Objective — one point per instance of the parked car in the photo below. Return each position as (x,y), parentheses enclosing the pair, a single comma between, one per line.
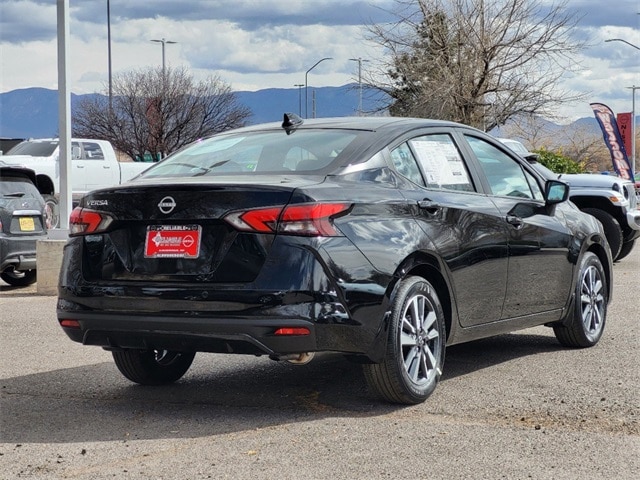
(94,164)
(384,239)
(609,198)
(22,223)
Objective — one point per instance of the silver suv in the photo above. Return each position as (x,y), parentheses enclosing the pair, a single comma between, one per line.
(22,223)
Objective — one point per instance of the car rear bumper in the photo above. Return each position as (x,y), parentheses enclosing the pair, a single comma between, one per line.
(145,332)
(18,253)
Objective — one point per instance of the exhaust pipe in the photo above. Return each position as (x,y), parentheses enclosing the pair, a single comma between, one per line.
(295,358)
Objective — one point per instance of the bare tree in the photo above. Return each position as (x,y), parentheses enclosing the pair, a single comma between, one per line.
(474,61)
(157,113)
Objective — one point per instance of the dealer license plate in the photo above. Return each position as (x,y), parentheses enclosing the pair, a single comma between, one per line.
(27,224)
(172,241)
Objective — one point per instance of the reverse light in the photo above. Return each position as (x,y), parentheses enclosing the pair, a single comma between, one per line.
(288,331)
(306,219)
(83,221)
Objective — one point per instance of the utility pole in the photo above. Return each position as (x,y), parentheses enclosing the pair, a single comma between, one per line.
(359,60)
(299,85)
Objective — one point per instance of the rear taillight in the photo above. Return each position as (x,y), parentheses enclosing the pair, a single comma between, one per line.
(84,221)
(307,219)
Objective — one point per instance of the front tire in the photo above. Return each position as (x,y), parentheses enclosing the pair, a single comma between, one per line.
(415,348)
(19,278)
(590,306)
(626,249)
(612,230)
(153,367)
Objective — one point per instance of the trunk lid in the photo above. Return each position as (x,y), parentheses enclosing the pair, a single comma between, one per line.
(175,233)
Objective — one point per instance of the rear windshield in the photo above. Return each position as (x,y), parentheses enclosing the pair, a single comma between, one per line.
(304,151)
(16,186)
(35,149)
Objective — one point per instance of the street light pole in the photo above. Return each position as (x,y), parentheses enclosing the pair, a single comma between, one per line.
(163,42)
(299,85)
(623,41)
(633,128)
(306,86)
(359,60)
(633,109)
(109,54)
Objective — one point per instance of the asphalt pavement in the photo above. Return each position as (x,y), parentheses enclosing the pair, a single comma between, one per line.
(516,406)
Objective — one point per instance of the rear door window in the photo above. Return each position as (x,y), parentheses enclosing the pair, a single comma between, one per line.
(441,162)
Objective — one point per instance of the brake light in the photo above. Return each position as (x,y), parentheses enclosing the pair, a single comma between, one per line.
(70,323)
(307,219)
(287,331)
(83,221)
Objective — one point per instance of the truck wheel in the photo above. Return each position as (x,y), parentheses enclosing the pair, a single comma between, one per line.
(51,211)
(415,347)
(19,279)
(612,229)
(153,367)
(590,306)
(626,249)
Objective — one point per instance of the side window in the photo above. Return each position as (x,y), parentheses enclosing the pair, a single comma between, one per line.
(405,163)
(535,186)
(92,151)
(442,163)
(506,177)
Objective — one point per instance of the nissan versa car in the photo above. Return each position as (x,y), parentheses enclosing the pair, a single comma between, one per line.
(384,239)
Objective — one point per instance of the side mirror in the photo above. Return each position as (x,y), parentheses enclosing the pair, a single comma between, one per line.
(556,192)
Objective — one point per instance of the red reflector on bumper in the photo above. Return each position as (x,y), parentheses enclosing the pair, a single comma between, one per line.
(70,323)
(292,331)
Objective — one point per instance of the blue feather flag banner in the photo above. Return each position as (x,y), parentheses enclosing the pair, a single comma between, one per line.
(613,139)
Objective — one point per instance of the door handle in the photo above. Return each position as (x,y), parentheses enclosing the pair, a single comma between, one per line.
(515,221)
(429,205)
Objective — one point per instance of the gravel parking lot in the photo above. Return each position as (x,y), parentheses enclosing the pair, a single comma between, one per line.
(516,406)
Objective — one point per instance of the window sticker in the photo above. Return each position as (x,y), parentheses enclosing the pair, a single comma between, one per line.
(441,161)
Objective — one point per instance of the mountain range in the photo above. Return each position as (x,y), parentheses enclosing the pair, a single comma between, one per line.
(33,112)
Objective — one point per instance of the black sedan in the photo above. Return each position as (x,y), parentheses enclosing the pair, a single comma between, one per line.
(384,239)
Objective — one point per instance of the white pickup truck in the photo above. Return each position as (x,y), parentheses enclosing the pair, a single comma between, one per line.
(93,165)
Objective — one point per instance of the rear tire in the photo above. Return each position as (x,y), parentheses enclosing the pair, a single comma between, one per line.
(153,367)
(590,306)
(612,230)
(19,278)
(51,211)
(415,347)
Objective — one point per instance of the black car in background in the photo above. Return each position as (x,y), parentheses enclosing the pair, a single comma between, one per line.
(22,223)
(384,239)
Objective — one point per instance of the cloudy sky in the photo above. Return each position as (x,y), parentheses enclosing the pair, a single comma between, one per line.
(257,44)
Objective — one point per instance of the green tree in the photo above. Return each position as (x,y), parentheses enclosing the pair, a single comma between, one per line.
(557,162)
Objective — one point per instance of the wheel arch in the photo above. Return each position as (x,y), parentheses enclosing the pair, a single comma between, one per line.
(606,261)
(431,268)
(600,203)
(45,185)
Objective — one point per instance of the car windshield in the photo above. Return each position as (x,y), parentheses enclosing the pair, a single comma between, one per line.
(35,149)
(548,174)
(306,151)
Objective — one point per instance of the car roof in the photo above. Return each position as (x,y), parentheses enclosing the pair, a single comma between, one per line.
(14,171)
(357,123)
